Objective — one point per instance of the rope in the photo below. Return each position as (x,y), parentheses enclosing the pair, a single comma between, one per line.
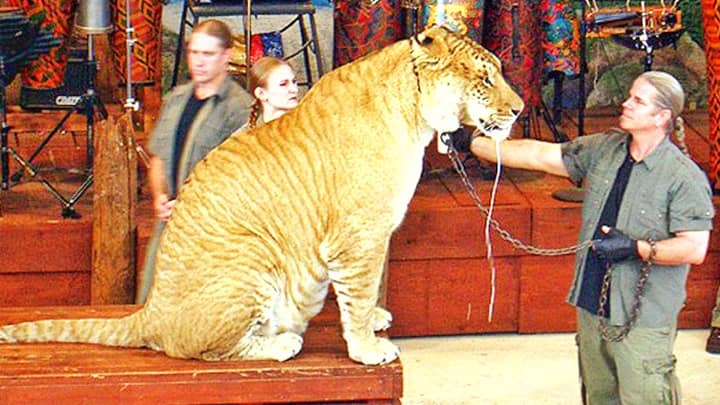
(488,242)
(492,223)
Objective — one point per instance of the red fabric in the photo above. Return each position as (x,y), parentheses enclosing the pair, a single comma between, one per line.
(256,48)
(48,70)
(364,26)
(711,24)
(146,22)
(510,23)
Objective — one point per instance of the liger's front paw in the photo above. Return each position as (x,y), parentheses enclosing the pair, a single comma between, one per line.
(373,351)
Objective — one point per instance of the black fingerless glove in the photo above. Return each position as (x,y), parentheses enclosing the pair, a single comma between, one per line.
(615,246)
(458,140)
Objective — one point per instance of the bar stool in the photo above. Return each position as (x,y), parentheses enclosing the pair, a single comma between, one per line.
(193,10)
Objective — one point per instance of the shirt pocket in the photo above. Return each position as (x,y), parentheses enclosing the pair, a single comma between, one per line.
(650,218)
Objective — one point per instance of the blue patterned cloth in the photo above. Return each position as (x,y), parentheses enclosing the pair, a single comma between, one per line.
(272,44)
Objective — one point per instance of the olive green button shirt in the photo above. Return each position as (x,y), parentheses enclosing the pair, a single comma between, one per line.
(666,193)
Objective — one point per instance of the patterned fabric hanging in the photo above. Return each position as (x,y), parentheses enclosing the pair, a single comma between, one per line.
(512,32)
(711,24)
(265,44)
(362,26)
(256,48)
(48,71)
(146,21)
(561,37)
(272,44)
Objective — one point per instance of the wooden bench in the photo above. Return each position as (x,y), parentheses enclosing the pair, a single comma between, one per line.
(66,373)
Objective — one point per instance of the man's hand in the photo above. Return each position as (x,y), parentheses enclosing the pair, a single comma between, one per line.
(615,246)
(162,206)
(458,140)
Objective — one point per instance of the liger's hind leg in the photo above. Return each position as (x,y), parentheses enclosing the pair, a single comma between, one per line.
(279,347)
(259,337)
(240,323)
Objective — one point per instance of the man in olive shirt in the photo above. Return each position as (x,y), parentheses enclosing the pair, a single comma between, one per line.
(195,118)
(647,207)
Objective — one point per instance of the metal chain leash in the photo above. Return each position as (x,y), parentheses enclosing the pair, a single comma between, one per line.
(507,236)
(605,331)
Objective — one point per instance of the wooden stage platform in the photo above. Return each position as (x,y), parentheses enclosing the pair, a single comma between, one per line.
(439,279)
(64,373)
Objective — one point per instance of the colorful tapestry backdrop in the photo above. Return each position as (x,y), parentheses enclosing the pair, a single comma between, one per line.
(362,26)
(523,34)
(56,16)
(561,37)
(146,21)
(711,23)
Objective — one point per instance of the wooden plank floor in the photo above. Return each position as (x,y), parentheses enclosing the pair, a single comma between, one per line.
(65,373)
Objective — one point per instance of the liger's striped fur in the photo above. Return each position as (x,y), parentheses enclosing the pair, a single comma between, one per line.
(276,214)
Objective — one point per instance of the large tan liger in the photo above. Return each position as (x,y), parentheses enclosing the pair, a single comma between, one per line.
(275,215)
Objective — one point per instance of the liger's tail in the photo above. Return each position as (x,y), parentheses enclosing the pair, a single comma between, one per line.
(125,332)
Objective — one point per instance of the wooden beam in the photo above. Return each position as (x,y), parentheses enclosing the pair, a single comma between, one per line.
(114,223)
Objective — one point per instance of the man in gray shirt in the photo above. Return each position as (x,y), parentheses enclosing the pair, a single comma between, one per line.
(194,119)
(648,210)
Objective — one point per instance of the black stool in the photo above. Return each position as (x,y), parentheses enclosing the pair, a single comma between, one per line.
(193,10)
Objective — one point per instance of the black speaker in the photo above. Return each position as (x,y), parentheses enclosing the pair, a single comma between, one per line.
(75,83)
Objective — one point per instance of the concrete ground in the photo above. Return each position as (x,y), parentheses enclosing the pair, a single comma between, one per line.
(537,369)
(502,369)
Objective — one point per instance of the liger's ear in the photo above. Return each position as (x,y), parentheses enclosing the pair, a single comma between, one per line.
(423,39)
(431,41)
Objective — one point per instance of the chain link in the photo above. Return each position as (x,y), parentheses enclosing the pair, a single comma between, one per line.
(505,235)
(618,335)
(608,333)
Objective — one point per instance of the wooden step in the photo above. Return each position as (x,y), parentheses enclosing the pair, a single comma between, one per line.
(452,296)
(44,258)
(65,373)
